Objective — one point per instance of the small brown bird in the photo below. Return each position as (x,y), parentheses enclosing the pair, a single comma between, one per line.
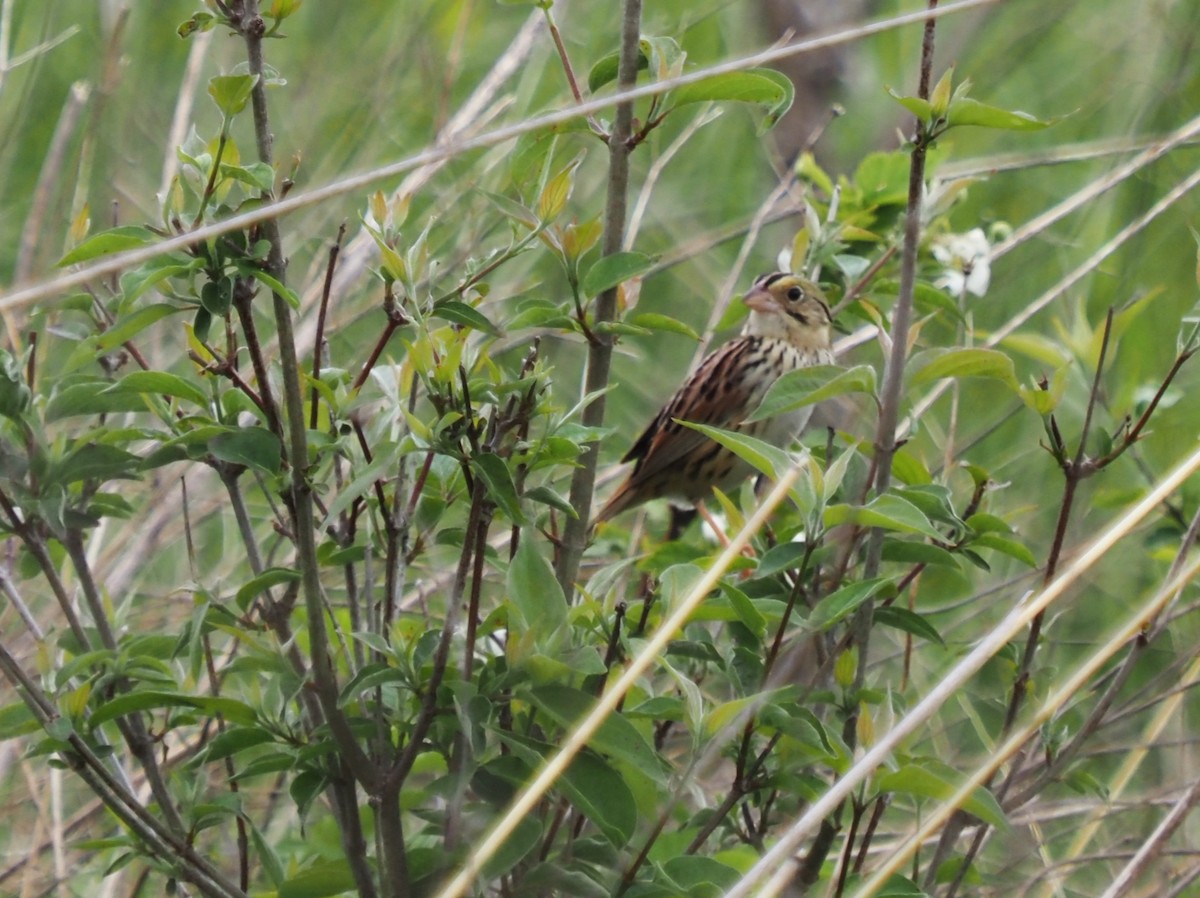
(788,328)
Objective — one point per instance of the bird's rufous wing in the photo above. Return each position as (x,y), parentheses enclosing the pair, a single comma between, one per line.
(714,394)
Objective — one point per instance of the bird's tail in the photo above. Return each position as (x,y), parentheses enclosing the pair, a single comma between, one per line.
(617,503)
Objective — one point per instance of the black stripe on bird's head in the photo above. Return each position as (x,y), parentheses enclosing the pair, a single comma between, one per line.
(798,298)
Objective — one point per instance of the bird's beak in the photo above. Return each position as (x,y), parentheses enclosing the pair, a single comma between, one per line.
(760,300)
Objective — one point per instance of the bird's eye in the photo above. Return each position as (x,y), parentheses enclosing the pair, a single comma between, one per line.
(795,293)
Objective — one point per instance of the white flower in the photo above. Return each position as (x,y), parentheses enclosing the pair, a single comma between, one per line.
(965,262)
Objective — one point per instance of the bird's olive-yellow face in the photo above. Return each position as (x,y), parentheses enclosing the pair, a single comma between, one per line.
(787,294)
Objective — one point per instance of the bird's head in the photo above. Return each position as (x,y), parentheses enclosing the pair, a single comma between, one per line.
(789,307)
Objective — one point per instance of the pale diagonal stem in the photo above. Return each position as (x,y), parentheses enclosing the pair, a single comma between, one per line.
(353,183)
(577,740)
(1070,689)
(774,867)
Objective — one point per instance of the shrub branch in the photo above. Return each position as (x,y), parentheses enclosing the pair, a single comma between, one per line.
(600,346)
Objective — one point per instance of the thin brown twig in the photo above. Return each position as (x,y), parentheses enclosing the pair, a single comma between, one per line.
(322,311)
(569,70)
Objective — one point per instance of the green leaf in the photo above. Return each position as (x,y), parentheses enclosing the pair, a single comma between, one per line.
(907,467)
(982,522)
(801,724)
(661,707)
(231,92)
(266,580)
(939,97)
(908,621)
(926,297)
(500,486)
(888,511)
(1047,351)
(17,720)
(851,266)
(303,790)
(744,608)
(579,237)
(134,702)
(524,838)
(620,327)
(965,111)
(958,363)
(605,69)
(254,447)
(135,283)
(1086,783)
(602,794)
(760,455)
(883,179)
(540,313)
(784,557)
(547,496)
(934,500)
(281,9)
(192,445)
(15,395)
(839,605)
(929,298)
(1044,401)
(807,386)
(160,383)
(266,855)
(216,297)
(95,461)
(369,677)
(807,169)
(700,875)
(590,783)
(381,466)
(763,87)
(554,196)
(655,322)
(898,886)
(258,175)
(616,737)
(90,397)
(105,243)
(908,552)
(394,267)
(918,107)
(614,269)
(535,591)
(737,710)
(322,880)
(1006,546)
(510,208)
(273,284)
(133,324)
(926,780)
(666,56)
(462,314)
(234,740)
(199,22)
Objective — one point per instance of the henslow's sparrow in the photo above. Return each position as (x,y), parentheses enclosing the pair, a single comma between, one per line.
(788,328)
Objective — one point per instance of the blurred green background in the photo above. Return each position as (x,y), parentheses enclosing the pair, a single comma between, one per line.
(91,90)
